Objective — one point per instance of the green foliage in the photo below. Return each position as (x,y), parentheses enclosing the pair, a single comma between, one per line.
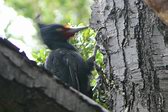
(40,55)
(84,41)
(59,11)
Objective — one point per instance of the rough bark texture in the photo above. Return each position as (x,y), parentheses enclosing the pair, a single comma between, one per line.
(25,87)
(134,45)
(15,97)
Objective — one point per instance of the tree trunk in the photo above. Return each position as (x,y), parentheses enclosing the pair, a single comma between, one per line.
(134,46)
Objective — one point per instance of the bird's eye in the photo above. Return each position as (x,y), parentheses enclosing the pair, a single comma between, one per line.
(59,29)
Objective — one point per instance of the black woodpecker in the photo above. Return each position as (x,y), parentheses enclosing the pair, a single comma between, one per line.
(64,61)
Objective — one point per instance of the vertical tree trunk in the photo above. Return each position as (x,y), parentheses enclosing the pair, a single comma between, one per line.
(134,45)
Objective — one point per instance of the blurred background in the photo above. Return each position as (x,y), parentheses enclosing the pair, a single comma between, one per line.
(17,22)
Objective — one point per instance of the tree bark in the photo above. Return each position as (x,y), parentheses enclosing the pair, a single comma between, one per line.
(134,46)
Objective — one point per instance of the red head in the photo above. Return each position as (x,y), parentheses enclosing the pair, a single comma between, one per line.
(56,35)
(70,32)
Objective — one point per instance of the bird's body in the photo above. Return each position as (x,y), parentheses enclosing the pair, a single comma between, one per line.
(69,66)
(64,61)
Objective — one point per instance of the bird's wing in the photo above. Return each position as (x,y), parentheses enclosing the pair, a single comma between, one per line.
(64,64)
(71,62)
(78,71)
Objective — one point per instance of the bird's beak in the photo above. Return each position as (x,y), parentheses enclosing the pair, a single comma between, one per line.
(70,32)
(75,30)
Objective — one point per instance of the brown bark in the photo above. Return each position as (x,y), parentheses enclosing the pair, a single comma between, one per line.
(160,7)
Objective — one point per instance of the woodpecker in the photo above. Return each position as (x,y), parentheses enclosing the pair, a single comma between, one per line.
(64,61)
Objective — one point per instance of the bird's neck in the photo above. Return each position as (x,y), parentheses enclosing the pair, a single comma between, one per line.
(65,45)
